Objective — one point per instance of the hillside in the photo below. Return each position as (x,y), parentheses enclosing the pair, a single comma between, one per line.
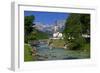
(40,35)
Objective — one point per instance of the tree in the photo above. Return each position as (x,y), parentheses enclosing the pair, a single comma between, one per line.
(31,33)
(73,31)
(85,21)
(28,23)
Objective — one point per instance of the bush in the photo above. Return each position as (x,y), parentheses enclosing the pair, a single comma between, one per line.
(86,47)
(76,44)
(30,38)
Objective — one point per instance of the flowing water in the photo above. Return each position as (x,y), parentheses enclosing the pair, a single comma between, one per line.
(45,53)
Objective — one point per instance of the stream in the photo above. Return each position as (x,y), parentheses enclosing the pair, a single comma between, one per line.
(45,53)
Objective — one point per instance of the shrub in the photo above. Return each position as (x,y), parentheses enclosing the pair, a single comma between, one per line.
(76,44)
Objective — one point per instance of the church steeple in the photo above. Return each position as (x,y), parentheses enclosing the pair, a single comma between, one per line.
(55,27)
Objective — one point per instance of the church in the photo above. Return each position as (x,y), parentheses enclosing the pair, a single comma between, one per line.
(56,34)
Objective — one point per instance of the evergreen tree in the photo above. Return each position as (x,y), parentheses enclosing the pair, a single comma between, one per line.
(74,27)
(28,23)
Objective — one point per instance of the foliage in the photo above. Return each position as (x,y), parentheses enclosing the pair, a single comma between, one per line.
(41,35)
(27,53)
(75,26)
(31,33)
(77,43)
(85,21)
(28,20)
(30,37)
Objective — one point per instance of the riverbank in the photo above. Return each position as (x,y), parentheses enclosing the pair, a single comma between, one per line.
(43,52)
(29,53)
(57,43)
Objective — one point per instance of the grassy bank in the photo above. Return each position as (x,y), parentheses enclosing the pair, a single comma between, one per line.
(86,49)
(27,53)
(58,43)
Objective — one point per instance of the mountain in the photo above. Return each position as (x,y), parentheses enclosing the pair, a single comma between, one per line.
(49,28)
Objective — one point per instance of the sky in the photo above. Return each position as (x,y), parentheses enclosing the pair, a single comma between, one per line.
(47,17)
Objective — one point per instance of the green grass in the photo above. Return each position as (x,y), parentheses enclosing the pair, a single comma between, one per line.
(58,43)
(27,53)
(86,49)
